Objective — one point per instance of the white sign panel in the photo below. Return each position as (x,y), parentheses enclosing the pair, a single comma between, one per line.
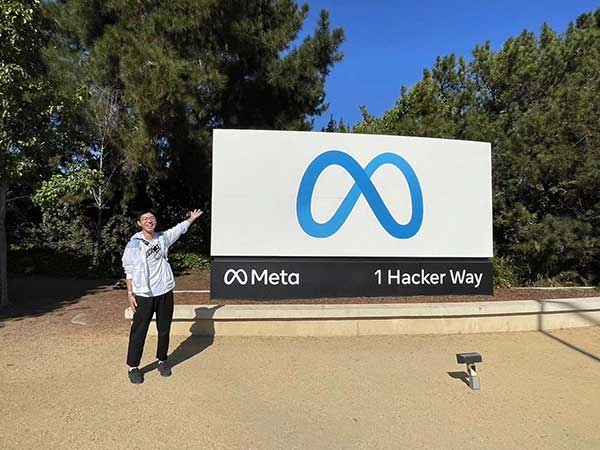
(287,193)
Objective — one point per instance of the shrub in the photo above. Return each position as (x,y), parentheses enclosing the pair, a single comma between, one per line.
(505,274)
(182,262)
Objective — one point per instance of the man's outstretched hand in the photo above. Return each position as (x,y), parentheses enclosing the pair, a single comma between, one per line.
(194,215)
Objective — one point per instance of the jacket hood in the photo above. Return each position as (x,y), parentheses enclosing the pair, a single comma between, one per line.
(138,235)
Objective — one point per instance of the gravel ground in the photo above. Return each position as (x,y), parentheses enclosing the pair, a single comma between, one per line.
(69,390)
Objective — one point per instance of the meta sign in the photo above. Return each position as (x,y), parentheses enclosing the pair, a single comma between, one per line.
(311,215)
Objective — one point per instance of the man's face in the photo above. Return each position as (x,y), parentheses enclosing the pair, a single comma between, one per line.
(147,222)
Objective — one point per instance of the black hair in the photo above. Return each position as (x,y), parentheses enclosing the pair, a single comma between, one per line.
(140,212)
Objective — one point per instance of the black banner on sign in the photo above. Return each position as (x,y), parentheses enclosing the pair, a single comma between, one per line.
(286,278)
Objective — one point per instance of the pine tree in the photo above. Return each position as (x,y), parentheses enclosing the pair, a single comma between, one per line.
(185,67)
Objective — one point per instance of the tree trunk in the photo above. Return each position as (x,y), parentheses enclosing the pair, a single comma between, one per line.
(3,247)
(98,239)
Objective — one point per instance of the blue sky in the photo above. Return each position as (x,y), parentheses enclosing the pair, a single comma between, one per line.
(389,43)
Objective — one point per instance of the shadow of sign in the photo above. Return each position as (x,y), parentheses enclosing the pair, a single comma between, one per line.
(585,314)
(461,375)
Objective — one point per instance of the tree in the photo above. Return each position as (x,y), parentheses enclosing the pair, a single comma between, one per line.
(183,68)
(103,112)
(26,109)
(333,126)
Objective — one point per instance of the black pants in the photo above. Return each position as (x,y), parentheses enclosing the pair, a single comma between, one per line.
(162,305)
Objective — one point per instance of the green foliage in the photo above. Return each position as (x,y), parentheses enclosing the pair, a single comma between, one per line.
(65,227)
(504,273)
(184,262)
(563,279)
(25,105)
(63,245)
(115,234)
(70,188)
(65,230)
(183,68)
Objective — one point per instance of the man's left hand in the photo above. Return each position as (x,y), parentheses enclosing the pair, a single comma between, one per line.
(194,215)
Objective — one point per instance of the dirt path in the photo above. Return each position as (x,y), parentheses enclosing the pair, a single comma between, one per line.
(68,390)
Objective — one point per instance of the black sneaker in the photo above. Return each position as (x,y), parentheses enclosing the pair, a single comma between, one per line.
(164,368)
(136,376)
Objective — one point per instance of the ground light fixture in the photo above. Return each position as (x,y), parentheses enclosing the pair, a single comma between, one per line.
(470,359)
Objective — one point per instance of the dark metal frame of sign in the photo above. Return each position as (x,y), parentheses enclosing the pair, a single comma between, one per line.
(279,278)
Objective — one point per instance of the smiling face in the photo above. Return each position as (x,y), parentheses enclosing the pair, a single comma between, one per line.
(147,222)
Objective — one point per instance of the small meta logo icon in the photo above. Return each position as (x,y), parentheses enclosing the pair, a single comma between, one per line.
(362,185)
(264,276)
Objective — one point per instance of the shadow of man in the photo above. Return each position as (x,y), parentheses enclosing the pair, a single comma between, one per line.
(202,334)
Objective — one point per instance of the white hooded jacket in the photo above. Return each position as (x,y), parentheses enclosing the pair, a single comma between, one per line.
(136,265)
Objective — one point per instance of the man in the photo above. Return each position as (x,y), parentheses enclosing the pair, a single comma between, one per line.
(150,284)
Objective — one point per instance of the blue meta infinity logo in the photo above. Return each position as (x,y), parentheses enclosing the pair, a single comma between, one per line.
(362,185)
